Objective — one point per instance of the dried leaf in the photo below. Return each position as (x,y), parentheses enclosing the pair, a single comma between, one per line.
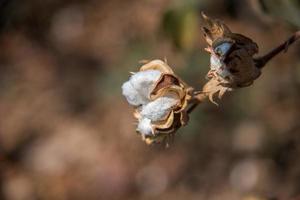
(166,123)
(157,65)
(213,87)
(215,29)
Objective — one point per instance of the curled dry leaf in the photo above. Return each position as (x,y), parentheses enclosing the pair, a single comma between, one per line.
(231,63)
(212,87)
(167,102)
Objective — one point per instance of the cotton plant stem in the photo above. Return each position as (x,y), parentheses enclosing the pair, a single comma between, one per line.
(260,62)
(198,98)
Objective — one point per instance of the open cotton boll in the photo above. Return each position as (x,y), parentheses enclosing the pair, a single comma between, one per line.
(137,89)
(145,127)
(159,108)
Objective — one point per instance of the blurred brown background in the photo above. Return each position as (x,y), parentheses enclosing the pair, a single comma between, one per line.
(66,132)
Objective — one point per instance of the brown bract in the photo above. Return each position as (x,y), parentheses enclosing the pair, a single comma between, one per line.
(236,62)
(167,84)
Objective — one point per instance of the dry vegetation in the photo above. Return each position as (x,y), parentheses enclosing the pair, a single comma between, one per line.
(67,133)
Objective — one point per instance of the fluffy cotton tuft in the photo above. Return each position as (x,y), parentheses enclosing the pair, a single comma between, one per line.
(159,108)
(132,96)
(137,89)
(145,127)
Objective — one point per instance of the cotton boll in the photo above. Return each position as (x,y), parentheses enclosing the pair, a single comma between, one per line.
(159,108)
(145,127)
(138,88)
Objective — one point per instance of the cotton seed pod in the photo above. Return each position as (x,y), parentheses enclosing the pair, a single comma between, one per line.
(231,63)
(160,99)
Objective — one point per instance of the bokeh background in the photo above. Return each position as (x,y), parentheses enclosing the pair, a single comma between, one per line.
(66,132)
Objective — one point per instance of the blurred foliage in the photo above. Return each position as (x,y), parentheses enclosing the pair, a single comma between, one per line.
(180,24)
(286,10)
(66,132)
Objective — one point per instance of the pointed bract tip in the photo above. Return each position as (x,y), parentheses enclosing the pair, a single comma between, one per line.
(211,98)
(144,61)
(166,60)
(204,16)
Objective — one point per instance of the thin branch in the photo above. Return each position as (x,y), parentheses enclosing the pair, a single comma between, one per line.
(193,106)
(198,98)
(260,62)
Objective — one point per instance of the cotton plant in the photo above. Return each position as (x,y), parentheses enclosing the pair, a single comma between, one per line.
(162,101)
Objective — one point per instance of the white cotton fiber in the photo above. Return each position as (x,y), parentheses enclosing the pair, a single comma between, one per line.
(159,108)
(144,81)
(215,62)
(220,67)
(145,127)
(137,89)
(132,96)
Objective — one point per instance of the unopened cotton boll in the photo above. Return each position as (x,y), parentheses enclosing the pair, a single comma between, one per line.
(137,89)
(159,108)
